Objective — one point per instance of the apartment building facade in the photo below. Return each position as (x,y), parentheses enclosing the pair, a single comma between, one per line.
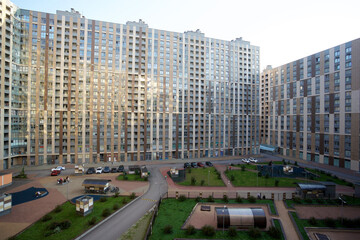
(310,108)
(76,90)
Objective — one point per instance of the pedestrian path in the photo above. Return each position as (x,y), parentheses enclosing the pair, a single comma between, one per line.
(288,226)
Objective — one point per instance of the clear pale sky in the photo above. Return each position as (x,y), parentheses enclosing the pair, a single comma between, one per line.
(285,30)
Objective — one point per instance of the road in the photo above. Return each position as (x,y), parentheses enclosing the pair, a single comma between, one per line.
(123,220)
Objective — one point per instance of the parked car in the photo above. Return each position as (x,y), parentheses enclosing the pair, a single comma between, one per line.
(253,160)
(209,164)
(193,164)
(91,170)
(55,172)
(200,164)
(60,168)
(187,165)
(99,170)
(113,170)
(106,169)
(245,160)
(120,168)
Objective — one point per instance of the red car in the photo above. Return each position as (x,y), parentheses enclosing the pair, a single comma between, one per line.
(55,172)
(200,164)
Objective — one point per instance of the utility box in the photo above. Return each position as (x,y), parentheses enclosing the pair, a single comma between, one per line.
(5,204)
(84,205)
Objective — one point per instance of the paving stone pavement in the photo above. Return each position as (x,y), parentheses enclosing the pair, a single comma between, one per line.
(284,217)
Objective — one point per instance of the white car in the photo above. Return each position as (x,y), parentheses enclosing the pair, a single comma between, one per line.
(58,168)
(245,160)
(253,160)
(99,170)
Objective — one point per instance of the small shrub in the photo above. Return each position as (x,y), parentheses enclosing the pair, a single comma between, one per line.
(296,163)
(189,170)
(312,221)
(210,198)
(92,221)
(320,201)
(132,196)
(58,209)
(238,199)
(276,182)
(106,212)
(125,177)
(198,199)
(243,168)
(46,218)
(311,177)
(274,232)
(190,230)
(182,198)
(65,224)
(168,229)
(225,198)
(232,178)
(202,182)
(251,199)
(125,201)
(297,200)
(208,230)
(232,232)
(254,232)
(116,195)
(52,226)
(103,199)
(267,176)
(137,172)
(146,179)
(329,222)
(116,206)
(308,200)
(259,174)
(193,181)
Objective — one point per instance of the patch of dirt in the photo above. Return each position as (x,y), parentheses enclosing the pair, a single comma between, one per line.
(319,212)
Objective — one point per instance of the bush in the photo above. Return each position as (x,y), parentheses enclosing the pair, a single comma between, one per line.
(274,232)
(190,230)
(312,221)
(308,200)
(225,198)
(329,222)
(168,229)
(254,232)
(202,182)
(259,174)
(276,182)
(106,212)
(116,195)
(189,170)
(125,201)
(210,198)
(232,232)
(208,230)
(193,181)
(320,201)
(146,179)
(52,226)
(242,167)
(58,225)
(267,176)
(297,200)
(65,224)
(238,199)
(58,209)
(116,206)
(46,218)
(232,178)
(132,196)
(252,199)
(296,163)
(125,177)
(198,199)
(182,198)
(92,221)
(103,199)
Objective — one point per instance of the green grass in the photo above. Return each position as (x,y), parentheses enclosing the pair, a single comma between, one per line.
(247,166)
(202,174)
(130,177)
(174,212)
(274,162)
(79,224)
(277,225)
(250,179)
(138,231)
(326,177)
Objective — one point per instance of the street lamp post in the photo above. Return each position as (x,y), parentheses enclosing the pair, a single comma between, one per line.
(342,208)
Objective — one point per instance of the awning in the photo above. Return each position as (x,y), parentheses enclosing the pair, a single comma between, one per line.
(268,148)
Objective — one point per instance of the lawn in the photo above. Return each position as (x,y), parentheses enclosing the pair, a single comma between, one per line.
(250,179)
(130,177)
(79,224)
(208,176)
(277,225)
(175,213)
(327,177)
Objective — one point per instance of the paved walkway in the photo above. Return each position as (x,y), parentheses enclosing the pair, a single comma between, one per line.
(287,224)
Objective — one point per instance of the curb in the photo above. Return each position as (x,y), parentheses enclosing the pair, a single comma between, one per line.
(106,219)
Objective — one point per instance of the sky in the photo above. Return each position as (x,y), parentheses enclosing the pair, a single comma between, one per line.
(285,30)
